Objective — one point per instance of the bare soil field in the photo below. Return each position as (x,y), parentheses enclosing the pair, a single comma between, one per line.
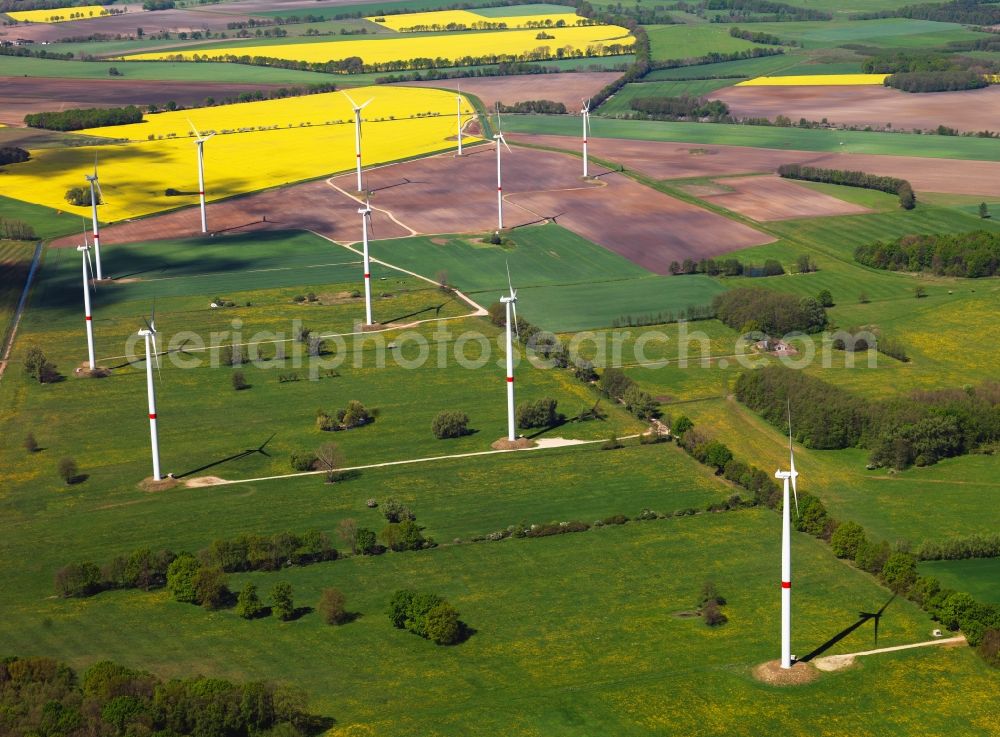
(687,160)
(569,88)
(968,110)
(312,206)
(765,198)
(23,95)
(446,194)
(152,22)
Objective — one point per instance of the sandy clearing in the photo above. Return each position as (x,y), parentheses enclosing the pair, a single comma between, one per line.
(766,198)
(968,110)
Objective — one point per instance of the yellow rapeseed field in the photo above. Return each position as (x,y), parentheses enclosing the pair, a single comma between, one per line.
(577,40)
(814,79)
(441,19)
(303,138)
(58,15)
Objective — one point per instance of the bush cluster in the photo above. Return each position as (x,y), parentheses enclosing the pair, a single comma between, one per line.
(545,107)
(616,384)
(729,267)
(749,309)
(355,414)
(427,615)
(936,81)
(685,107)
(41,696)
(13,155)
(917,430)
(971,255)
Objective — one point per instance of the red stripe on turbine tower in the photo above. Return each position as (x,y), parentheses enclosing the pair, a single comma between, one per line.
(152,416)
(510,379)
(368,276)
(86,317)
(786,584)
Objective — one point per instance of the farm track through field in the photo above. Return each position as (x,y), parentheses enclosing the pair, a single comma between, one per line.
(19,311)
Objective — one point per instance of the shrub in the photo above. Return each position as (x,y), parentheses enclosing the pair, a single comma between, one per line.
(281,601)
(900,572)
(333,606)
(871,556)
(984,211)
(427,615)
(30,444)
(210,587)
(441,624)
(989,647)
(78,579)
(919,292)
(845,540)
(713,615)
(303,461)
(710,595)
(450,424)
(395,511)
(68,470)
(248,603)
(681,425)
(584,371)
(367,543)
(13,155)
(239,381)
(825,298)
(402,536)
(180,578)
(356,414)
(612,443)
(539,413)
(38,367)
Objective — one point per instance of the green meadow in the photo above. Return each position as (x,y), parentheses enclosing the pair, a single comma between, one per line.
(686,41)
(857,142)
(979,576)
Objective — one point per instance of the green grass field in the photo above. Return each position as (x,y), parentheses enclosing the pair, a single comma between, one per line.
(859,142)
(566,283)
(48,223)
(759,67)
(979,577)
(620,103)
(884,33)
(15,261)
(686,41)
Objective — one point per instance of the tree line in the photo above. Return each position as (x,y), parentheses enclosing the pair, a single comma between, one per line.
(920,429)
(905,60)
(44,697)
(9,5)
(685,107)
(949,81)
(749,309)
(16,230)
(892,185)
(753,11)
(731,266)
(80,118)
(546,107)
(760,37)
(356,65)
(959,11)
(971,255)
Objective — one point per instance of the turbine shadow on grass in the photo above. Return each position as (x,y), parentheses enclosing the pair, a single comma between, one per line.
(862,618)
(435,308)
(235,457)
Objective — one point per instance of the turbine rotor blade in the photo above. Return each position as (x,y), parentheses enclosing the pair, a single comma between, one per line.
(517,330)
(353,103)
(363,105)
(100,193)
(504,141)
(196,133)
(90,271)
(791,458)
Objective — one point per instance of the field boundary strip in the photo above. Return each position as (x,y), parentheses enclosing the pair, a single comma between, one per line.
(19,311)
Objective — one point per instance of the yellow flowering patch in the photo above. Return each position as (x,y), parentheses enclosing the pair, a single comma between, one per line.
(257,145)
(59,15)
(814,79)
(446,20)
(575,41)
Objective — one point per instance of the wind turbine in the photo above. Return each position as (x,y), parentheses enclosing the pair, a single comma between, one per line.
(786,550)
(95,195)
(149,333)
(585,113)
(498,137)
(510,304)
(366,224)
(357,131)
(85,258)
(458,101)
(200,143)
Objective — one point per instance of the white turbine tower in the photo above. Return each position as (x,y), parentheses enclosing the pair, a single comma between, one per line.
(510,304)
(357,132)
(786,550)
(200,143)
(458,101)
(366,224)
(498,137)
(85,258)
(585,114)
(96,197)
(149,333)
